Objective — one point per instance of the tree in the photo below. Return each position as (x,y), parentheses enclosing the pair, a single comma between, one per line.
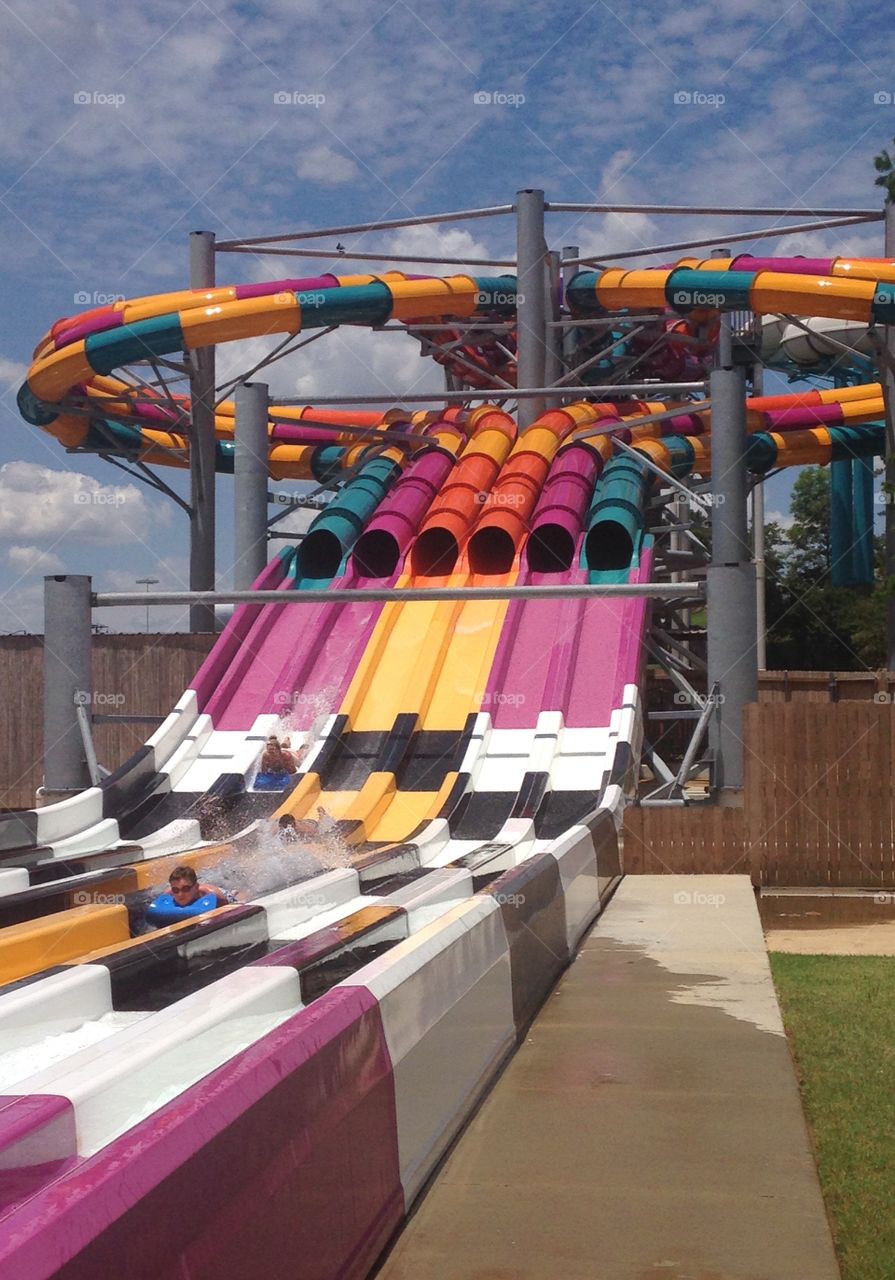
(809,535)
(885,168)
(811,624)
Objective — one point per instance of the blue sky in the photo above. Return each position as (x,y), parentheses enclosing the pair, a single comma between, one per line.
(125,127)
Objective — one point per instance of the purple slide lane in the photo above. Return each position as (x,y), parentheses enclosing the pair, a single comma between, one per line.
(307,661)
(538,663)
(614,630)
(304,660)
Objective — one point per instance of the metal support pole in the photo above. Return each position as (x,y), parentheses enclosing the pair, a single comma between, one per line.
(731,575)
(250,469)
(94,768)
(758,555)
(569,337)
(887,377)
(202,445)
(553,367)
(68,682)
(678,542)
(758,549)
(531,318)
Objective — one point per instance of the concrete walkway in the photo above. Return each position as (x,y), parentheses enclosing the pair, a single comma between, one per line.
(649,1128)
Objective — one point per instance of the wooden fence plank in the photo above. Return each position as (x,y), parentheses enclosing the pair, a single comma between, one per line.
(818,802)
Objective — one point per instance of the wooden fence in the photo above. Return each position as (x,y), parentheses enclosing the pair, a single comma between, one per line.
(825,686)
(818,803)
(136,674)
(698,839)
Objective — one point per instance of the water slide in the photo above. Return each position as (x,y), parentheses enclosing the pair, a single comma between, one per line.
(465,771)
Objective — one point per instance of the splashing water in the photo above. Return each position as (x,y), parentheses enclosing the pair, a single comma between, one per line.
(263,861)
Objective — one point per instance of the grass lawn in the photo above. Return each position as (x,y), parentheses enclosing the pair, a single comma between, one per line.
(840,1014)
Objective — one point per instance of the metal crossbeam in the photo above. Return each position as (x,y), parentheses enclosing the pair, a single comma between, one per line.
(655,590)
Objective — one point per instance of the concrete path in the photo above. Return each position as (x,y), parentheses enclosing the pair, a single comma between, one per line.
(649,1128)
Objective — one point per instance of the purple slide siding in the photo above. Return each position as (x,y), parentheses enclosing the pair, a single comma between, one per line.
(282,1163)
(243,618)
(38,1142)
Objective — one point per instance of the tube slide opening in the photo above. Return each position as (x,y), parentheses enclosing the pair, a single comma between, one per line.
(320,555)
(376,554)
(551,549)
(608,546)
(435,553)
(491,551)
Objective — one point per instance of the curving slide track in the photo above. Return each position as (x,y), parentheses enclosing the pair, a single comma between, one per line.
(296,1065)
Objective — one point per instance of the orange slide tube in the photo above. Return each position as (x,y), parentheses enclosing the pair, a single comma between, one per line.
(457,507)
(506,513)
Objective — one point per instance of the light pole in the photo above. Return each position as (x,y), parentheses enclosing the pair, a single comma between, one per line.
(147,582)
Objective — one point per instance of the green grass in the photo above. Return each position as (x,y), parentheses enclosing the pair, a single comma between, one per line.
(840,1014)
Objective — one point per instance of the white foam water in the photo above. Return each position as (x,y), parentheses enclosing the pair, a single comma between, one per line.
(28,1059)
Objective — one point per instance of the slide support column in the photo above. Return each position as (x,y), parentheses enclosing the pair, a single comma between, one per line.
(553,366)
(202,445)
(732,656)
(531,311)
(68,681)
(250,468)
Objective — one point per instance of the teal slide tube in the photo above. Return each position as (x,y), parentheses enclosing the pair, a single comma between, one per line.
(340,524)
(615,520)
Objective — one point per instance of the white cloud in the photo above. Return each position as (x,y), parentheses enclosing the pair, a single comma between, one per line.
(322,164)
(357,360)
(23,608)
(27,560)
(41,504)
(172,573)
(12,373)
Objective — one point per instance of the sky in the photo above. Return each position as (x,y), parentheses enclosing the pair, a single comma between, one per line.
(126,127)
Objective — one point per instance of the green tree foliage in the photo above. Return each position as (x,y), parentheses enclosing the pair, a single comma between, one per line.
(811,624)
(885,168)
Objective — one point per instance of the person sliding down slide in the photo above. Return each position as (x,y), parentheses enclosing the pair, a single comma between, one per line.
(186,897)
(277,758)
(186,890)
